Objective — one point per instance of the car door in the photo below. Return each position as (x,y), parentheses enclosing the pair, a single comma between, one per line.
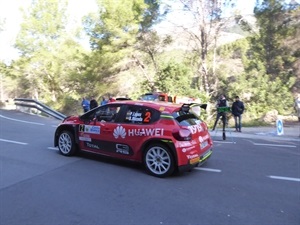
(137,125)
(97,135)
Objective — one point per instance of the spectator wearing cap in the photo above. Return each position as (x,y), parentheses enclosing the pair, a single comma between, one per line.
(237,110)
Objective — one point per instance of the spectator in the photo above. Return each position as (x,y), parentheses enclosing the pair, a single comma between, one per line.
(237,110)
(93,103)
(104,101)
(221,111)
(111,99)
(85,105)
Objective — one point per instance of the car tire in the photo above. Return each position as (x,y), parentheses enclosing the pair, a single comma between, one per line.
(159,160)
(66,143)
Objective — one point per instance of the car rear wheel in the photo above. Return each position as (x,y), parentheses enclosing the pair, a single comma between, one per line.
(159,161)
(66,143)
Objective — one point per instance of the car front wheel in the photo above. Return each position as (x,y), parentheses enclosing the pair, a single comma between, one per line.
(66,143)
(159,161)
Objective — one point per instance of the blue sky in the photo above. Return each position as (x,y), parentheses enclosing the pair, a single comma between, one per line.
(9,11)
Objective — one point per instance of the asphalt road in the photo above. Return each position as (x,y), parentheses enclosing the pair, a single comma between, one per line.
(248,180)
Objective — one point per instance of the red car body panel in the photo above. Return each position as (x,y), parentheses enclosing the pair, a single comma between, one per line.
(127,140)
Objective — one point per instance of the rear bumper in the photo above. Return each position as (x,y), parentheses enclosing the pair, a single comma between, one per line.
(203,159)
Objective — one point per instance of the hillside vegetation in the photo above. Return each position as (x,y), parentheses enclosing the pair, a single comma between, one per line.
(128,56)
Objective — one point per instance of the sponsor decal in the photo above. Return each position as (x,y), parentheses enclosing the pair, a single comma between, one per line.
(85,139)
(192,156)
(122,149)
(195,160)
(92,145)
(206,137)
(183,144)
(195,128)
(202,139)
(203,144)
(188,149)
(136,117)
(146,132)
(89,129)
(120,131)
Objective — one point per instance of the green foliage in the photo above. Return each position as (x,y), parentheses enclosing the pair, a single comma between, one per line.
(129,57)
(153,14)
(235,50)
(255,91)
(275,19)
(174,78)
(116,26)
(43,24)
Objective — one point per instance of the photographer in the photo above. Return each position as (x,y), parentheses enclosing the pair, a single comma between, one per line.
(222,102)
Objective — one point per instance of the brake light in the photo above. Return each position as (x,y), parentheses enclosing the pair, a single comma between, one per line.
(182,134)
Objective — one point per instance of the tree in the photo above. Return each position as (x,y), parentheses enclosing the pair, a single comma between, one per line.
(174,78)
(50,54)
(118,33)
(150,43)
(277,22)
(207,20)
(38,42)
(112,34)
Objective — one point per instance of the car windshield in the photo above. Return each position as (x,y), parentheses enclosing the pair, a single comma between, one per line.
(149,97)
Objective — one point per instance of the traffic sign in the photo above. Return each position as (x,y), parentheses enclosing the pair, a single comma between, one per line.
(279,127)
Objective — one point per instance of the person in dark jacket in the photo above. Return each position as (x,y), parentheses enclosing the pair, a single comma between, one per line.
(222,102)
(237,110)
(93,103)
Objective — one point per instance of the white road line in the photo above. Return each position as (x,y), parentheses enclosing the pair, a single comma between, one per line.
(14,142)
(273,145)
(22,121)
(225,142)
(285,178)
(208,169)
(52,148)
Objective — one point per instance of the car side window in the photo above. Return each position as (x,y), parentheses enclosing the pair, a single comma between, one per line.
(107,113)
(139,115)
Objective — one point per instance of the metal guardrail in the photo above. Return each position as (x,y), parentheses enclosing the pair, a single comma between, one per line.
(31,103)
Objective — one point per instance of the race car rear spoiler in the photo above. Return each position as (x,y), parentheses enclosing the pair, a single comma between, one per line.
(187,106)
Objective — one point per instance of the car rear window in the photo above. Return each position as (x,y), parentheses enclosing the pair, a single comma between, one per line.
(185,118)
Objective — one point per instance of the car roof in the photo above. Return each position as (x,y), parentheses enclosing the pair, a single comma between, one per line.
(158,105)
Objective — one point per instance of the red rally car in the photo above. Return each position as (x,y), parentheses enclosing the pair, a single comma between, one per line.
(164,137)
